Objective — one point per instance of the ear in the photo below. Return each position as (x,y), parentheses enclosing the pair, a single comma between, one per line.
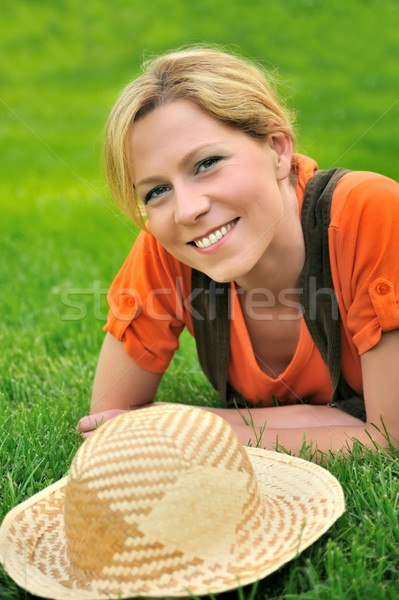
(281,144)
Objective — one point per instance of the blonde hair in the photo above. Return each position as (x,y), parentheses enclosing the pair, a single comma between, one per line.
(230,89)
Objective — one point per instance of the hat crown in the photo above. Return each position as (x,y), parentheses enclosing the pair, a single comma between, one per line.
(162,501)
(162,485)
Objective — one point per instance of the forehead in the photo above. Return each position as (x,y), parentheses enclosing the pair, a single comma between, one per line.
(176,116)
(170,131)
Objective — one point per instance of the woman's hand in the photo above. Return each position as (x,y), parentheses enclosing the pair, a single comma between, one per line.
(88,424)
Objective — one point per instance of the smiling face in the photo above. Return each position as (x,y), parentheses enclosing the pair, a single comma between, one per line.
(215,197)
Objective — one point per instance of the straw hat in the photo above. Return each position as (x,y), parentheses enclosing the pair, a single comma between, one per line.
(165,500)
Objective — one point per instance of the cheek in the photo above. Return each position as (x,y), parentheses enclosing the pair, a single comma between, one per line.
(159,223)
(163,228)
(236,187)
(252,177)
(252,192)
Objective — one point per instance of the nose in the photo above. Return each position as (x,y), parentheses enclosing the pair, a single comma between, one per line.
(190,204)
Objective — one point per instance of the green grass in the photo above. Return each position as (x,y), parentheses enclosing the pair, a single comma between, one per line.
(62,239)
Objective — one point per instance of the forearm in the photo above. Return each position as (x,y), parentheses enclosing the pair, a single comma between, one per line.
(295,416)
(321,439)
(120,383)
(290,427)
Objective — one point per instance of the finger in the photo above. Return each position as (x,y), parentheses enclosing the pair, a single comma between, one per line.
(82,435)
(83,424)
(88,424)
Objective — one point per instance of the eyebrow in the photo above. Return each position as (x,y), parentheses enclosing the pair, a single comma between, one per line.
(187,158)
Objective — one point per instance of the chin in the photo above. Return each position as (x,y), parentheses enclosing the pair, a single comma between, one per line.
(221,279)
(224,275)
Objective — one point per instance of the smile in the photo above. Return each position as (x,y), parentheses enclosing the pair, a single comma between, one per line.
(215,236)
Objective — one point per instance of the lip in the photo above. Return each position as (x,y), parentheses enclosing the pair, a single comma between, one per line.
(220,241)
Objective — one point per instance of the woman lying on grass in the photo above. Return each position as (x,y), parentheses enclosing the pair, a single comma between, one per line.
(202,143)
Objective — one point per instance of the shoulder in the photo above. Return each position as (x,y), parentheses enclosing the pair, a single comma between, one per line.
(366,183)
(364,211)
(364,246)
(363,194)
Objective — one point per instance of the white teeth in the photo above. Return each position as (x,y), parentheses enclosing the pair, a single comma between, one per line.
(215,236)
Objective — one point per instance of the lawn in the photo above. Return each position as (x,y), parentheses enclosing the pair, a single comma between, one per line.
(63,239)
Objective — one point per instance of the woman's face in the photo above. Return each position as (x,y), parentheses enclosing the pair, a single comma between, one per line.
(214,196)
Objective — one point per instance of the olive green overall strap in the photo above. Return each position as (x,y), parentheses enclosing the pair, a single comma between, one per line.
(210,303)
(320,306)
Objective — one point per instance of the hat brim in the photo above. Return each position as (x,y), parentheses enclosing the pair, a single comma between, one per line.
(303,501)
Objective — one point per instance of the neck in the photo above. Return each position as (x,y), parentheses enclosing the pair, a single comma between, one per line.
(278,270)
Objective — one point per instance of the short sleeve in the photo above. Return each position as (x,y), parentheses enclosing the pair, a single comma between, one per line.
(364,235)
(146,304)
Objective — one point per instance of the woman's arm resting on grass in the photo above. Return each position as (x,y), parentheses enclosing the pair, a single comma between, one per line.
(120,384)
(326,428)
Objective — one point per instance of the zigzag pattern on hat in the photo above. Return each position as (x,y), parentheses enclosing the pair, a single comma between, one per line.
(163,500)
(147,489)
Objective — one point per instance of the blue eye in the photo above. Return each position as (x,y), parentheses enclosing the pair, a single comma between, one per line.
(207,164)
(156,193)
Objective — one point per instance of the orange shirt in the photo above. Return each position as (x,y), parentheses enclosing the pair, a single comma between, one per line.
(149,298)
